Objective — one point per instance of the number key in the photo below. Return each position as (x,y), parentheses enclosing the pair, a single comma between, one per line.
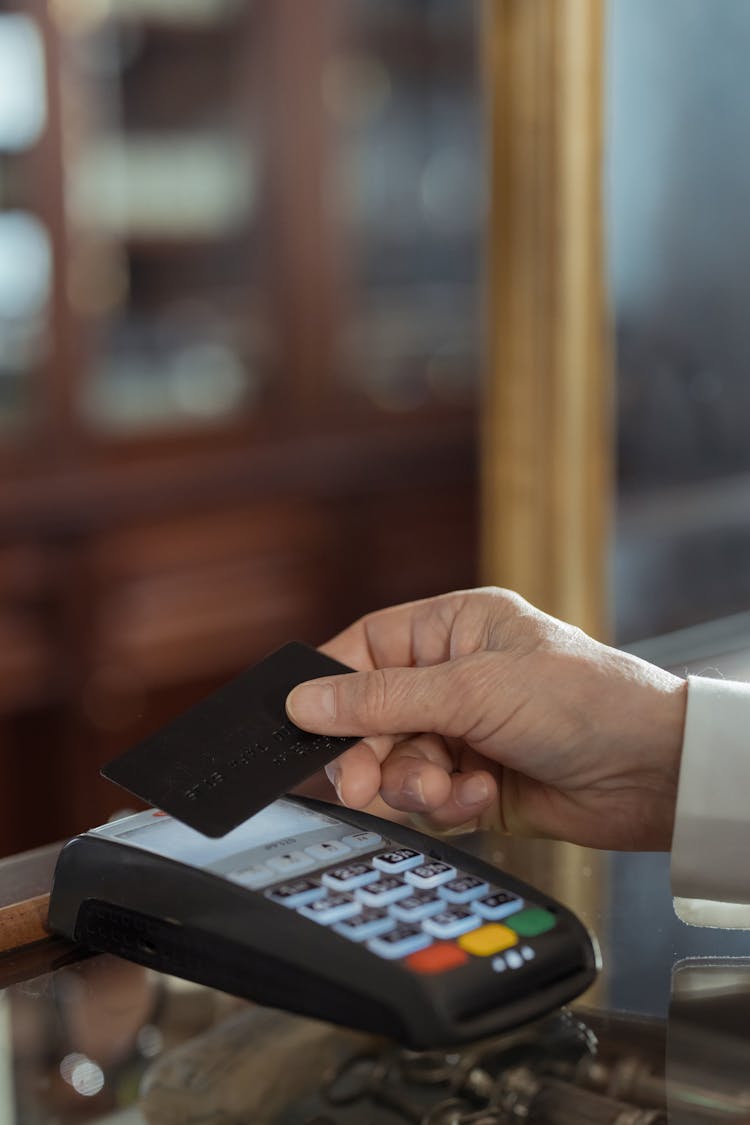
(298,893)
(334,908)
(399,942)
(388,889)
(451,922)
(368,923)
(416,907)
(497,905)
(463,889)
(399,859)
(349,876)
(429,875)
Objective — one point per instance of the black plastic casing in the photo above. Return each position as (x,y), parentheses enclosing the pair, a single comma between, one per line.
(181,920)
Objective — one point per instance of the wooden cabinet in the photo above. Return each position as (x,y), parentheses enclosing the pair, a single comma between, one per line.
(243,406)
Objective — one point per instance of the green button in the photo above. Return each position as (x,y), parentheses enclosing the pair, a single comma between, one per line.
(529,923)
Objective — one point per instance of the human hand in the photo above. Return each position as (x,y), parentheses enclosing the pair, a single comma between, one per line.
(475,707)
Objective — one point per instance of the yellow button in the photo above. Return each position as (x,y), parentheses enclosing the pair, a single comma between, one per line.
(488,940)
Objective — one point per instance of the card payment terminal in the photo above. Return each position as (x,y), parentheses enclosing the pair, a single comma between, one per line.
(327,912)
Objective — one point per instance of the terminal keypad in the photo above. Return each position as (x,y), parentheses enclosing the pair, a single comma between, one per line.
(403,905)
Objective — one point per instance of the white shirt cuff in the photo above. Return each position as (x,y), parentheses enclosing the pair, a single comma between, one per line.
(711,842)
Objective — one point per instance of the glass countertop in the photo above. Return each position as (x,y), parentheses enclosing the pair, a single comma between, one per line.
(662,1035)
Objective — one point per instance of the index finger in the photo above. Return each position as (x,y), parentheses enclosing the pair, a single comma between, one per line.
(357,774)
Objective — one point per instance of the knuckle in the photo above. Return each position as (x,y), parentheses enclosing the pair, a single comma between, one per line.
(506,609)
(515,624)
(511,600)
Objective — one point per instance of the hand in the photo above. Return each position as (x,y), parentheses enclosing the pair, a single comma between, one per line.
(475,707)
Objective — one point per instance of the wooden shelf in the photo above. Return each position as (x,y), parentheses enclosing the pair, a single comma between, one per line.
(140,569)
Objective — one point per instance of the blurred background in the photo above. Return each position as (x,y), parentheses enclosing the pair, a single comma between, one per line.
(239,352)
(243,251)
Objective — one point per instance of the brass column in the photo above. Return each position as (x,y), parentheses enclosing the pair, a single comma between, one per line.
(546,421)
(547,447)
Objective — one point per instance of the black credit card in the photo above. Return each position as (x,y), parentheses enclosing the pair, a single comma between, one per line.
(233,753)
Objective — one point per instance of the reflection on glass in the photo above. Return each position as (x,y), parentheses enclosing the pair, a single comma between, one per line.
(408,185)
(80,1041)
(161,162)
(679,181)
(7,1108)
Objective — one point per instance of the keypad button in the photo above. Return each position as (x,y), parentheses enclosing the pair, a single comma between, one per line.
(349,876)
(363,841)
(511,959)
(332,908)
(328,851)
(367,924)
(298,893)
(400,942)
(527,953)
(416,907)
(397,860)
(465,888)
(388,889)
(451,922)
(254,877)
(437,958)
(534,921)
(497,905)
(429,875)
(290,863)
(487,940)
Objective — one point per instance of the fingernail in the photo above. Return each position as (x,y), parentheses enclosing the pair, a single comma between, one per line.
(333,773)
(311,704)
(412,788)
(472,791)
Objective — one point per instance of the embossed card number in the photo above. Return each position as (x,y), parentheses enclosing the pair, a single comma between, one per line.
(236,751)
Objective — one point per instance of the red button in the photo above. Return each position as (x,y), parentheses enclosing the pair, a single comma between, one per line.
(437,958)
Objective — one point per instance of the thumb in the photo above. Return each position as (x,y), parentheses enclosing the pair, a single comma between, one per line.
(386,701)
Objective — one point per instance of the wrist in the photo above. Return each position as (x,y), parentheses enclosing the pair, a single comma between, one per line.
(669,728)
